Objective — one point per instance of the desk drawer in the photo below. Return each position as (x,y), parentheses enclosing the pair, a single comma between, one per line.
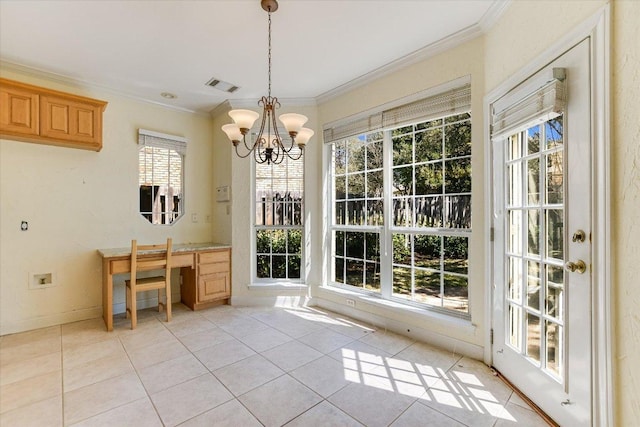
(177,260)
(218,267)
(217,256)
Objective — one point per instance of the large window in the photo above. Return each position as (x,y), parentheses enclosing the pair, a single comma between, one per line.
(279,207)
(401,210)
(161,176)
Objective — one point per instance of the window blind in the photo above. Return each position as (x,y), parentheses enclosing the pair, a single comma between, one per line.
(370,123)
(449,102)
(162,140)
(543,104)
(452,102)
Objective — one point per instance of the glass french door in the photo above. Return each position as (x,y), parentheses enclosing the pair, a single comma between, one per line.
(542,250)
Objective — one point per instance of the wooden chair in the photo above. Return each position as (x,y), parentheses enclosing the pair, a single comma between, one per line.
(148,262)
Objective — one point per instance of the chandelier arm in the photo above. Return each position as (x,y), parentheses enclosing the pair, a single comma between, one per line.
(299,155)
(260,136)
(240,155)
(287,150)
(244,141)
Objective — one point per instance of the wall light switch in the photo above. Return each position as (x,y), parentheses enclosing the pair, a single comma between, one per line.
(223,194)
(24,226)
(194,217)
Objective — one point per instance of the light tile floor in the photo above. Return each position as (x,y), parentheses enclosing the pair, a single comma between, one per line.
(231,366)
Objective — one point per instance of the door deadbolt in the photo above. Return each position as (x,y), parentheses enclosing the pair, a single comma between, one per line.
(579,236)
(576,267)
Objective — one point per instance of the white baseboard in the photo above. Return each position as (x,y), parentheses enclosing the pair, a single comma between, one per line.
(50,320)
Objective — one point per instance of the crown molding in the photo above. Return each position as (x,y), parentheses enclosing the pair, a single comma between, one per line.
(487,21)
(285,102)
(221,108)
(252,104)
(73,81)
(492,14)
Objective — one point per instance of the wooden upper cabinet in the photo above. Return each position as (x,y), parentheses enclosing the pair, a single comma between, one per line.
(35,114)
(19,109)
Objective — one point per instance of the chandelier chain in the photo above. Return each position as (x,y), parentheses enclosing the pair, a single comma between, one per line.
(267,146)
(269,52)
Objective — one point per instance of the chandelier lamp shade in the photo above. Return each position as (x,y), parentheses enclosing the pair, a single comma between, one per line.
(268,146)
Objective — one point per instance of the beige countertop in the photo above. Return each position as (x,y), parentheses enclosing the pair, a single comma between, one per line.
(178,247)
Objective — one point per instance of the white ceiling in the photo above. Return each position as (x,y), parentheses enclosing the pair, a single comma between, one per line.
(143,48)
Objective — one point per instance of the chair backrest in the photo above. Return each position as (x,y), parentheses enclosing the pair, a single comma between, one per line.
(156,257)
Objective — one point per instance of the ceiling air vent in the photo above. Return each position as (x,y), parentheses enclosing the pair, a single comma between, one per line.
(221,85)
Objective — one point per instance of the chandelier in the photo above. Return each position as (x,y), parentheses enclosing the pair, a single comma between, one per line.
(268,146)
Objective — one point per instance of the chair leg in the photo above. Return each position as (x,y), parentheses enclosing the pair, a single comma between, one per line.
(127,294)
(168,301)
(134,310)
(160,303)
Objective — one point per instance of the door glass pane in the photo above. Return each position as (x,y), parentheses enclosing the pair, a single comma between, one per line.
(533,181)
(555,291)
(555,233)
(533,337)
(555,178)
(533,139)
(554,132)
(514,335)
(533,232)
(515,184)
(514,290)
(533,284)
(554,347)
(514,245)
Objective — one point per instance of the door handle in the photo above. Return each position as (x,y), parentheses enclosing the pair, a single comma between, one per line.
(577,267)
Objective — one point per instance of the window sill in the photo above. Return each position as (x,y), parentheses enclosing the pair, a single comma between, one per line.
(277,286)
(420,314)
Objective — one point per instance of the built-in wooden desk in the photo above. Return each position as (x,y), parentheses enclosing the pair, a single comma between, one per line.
(205,270)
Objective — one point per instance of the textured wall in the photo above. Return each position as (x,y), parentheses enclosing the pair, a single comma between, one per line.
(625,201)
(77,201)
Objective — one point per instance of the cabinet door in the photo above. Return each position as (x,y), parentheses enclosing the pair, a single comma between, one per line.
(70,120)
(213,286)
(19,110)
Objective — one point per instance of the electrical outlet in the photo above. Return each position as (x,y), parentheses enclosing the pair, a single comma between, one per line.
(351,303)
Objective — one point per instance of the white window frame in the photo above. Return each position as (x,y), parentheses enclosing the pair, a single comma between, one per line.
(387,230)
(163,141)
(255,227)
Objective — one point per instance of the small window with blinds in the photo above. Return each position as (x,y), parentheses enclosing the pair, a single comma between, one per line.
(279,221)
(161,176)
